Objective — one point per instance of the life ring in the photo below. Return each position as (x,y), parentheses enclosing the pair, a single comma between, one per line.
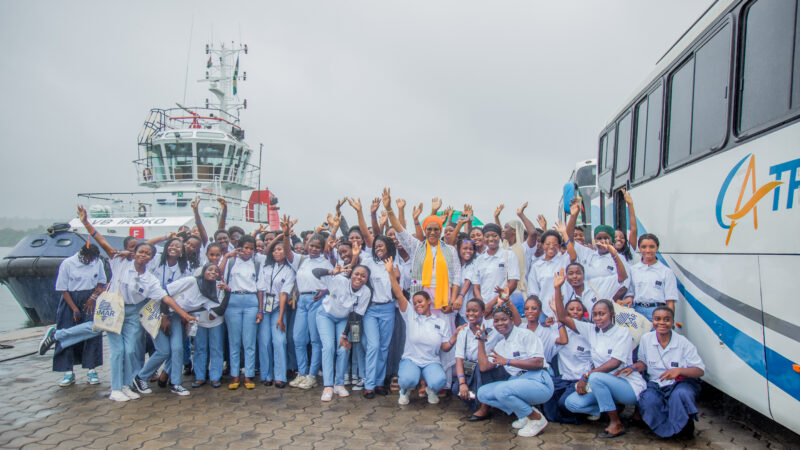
(142,210)
(147,174)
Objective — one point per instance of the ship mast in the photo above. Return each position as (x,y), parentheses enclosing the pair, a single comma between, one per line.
(223,76)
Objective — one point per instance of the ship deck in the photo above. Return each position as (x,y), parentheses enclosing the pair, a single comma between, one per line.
(36,413)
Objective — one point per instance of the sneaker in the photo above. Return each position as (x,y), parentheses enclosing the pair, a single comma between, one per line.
(309,382)
(297,380)
(593,418)
(327,394)
(141,385)
(47,341)
(178,389)
(118,396)
(341,391)
(93,378)
(68,380)
(347,379)
(130,393)
(432,397)
(520,423)
(532,428)
(358,386)
(403,400)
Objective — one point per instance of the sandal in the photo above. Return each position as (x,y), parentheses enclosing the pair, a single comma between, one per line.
(249,385)
(198,383)
(606,435)
(234,384)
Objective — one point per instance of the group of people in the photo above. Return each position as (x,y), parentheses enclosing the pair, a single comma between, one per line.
(504,315)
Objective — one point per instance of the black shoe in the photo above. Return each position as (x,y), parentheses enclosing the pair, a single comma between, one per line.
(161,384)
(141,386)
(381,390)
(280,384)
(197,383)
(187,369)
(474,418)
(687,433)
(47,341)
(369,394)
(267,383)
(215,384)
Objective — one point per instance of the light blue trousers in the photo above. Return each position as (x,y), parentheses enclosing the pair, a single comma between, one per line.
(169,350)
(305,330)
(409,374)
(518,394)
(334,356)
(646,311)
(75,334)
(126,348)
(378,324)
(606,391)
(272,348)
(240,318)
(208,352)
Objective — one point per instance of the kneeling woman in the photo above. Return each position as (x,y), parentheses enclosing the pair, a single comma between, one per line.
(520,352)
(426,337)
(673,367)
(611,349)
(344,296)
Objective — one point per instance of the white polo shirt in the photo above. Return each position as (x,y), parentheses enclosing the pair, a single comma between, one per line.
(593,290)
(679,353)
(187,295)
(424,337)
(467,346)
(167,274)
(540,280)
(574,357)
(343,299)
(615,343)
(134,288)
(596,265)
(73,275)
(548,336)
(273,280)
(242,276)
(378,277)
(306,281)
(468,272)
(492,270)
(652,284)
(520,344)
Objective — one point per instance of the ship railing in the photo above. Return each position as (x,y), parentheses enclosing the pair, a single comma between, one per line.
(153,172)
(165,204)
(187,118)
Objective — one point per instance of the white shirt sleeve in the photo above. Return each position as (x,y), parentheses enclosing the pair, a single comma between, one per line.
(670,285)
(408,241)
(512,266)
(175,288)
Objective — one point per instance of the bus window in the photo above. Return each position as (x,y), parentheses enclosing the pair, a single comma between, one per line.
(766,78)
(623,150)
(639,145)
(680,113)
(647,148)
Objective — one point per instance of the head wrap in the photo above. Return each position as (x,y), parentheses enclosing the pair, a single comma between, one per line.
(429,219)
(605,228)
(493,227)
(519,252)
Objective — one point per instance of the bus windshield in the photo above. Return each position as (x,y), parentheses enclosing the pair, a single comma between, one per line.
(586,176)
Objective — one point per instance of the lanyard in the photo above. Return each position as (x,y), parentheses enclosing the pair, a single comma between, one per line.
(273,276)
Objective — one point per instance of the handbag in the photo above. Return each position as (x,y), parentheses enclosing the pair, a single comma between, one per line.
(150,318)
(469,366)
(354,324)
(109,312)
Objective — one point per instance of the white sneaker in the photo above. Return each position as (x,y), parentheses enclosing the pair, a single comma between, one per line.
(532,428)
(403,400)
(341,391)
(308,383)
(346,379)
(359,385)
(520,423)
(118,396)
(129,392)
(592,418)
(297,380)
(432,397)
(327,394)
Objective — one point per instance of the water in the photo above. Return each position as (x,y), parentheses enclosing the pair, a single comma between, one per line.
(12,317)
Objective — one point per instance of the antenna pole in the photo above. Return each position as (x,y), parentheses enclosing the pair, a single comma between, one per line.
(188,58)
(260,150)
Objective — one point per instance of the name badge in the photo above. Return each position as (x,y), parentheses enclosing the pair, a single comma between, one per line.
(674,364)
(501,265)
(95,275)
(609,351)
(437,327)
(581,349)
(516,354)
(141,290)
(658,283)
(610,268)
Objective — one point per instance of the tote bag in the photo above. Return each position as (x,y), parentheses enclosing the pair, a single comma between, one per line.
(150,318)
(109,312)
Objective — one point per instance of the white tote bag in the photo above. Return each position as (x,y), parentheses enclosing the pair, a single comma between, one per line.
(109,312)
(633,321)
(150,318)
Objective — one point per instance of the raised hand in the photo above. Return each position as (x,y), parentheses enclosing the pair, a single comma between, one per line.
(386,197)
(416,211)
(388,264)
(82,213)
(561,227)
(339,204)
(436,203)
(401,203)
(499,210)
(286,224)
(550,320)
(222,203)
(574,206)
(627,197)
(541,221)
(468,210)
(558,280)
(383,218)
(609,247)
(521,209)
(447,212)
(195,202)
(373,207)
(497,358)
(354,203)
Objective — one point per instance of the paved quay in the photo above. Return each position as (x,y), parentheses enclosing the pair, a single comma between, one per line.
(35,413)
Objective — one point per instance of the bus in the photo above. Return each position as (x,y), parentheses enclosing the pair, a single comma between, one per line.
(582,181)
(709,148)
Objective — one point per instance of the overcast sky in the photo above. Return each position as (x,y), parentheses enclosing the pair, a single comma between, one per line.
(473,101)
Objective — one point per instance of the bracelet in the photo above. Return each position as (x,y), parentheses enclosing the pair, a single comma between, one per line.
(93,233)
(568,241)
(584,378)
(508,363)
(560,326)
(76,313)
(462,376)
(260,312)
(630,366)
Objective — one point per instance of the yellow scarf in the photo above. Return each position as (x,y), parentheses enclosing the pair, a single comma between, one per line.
(442,294)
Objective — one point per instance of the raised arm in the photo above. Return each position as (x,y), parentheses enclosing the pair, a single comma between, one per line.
(573,255)
(574,210)
(633,234)
(110,251)
(622,275)
(417,211)
(373,217)
(199,221)
(462,219)
(286,228)
(436,203)
(401,210)
(387,205)
(402,302)
(333,222)
(533,236)
(497,215)
(223,214)
(558,301)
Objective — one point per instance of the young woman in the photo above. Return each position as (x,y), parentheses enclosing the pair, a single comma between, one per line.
(241,274)
(346,299)
(673,367)
(540,276)
(210,338)
(611,347)
(172,265)
(497,267)
(521,354)
(426,336)
(311,291)
(80,280)
(466,350)
(553,337)
(192,294)
(275,284)
(476,236)
(588,292)
(469,273)
(652,283)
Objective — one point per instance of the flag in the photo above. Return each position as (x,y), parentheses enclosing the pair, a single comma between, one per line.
(235,75)
(208,64)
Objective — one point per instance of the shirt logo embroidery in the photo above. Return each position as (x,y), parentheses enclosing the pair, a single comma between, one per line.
(674,364)
(609,351)
(501,265)
(437,327)
(658,283)
(141,290)
(580,349)
(610,268)
(516,354)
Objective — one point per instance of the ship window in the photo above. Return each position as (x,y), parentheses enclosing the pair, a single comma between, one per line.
(63,242)
(155,162)
(37,242)
(206,134)
(210,158)
(179,159)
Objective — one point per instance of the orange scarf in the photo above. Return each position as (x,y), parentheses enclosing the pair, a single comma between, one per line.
(442,293)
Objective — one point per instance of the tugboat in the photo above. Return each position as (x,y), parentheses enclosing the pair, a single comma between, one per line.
(183,153)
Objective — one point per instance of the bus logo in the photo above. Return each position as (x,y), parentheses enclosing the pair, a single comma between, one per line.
(756,194)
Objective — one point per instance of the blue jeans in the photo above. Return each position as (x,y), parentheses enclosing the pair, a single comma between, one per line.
(646,311)
(330,329)
(169,350)
(607,390)
(518,394)
(208,341)
(378,324)
(126,348)
(305,330)
(272,348)
(241,320)
(409,374)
